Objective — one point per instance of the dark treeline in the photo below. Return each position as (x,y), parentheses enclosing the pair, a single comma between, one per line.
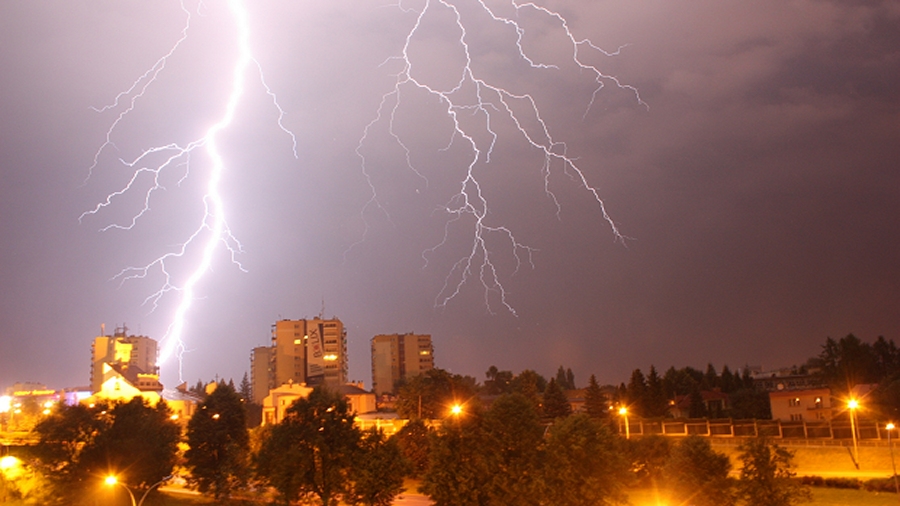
(513,452)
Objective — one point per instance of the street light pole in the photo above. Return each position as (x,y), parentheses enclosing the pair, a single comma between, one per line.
(889,428)
(112,480)
(624,412)
(852,405)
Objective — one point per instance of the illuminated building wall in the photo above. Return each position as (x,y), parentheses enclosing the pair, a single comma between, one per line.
(311,351)
(139,352)
(801,404)
(262,372)
(399,356)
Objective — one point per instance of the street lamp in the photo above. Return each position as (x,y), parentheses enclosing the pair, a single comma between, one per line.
(853,405)
(890,427)
(456,410)
(112,481)
(624,412)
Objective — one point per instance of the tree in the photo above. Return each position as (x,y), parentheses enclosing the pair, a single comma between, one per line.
(414,440)
(246,389)
(513,437)
(698,475)
(311,451)
(459,474)
(848,362)
(498,382)
(555,403)
(378,471)
(77,444)
(583,466)
(766,475)
(636,392)
(139,446)
(697,407)
(655,404)
(728,380)
(595,403)
(218,443)
(430,395)
(749,403)
(648,456)
(565,378)
(710,378)
(530,384)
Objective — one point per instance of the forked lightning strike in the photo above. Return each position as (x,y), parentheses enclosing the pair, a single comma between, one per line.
(490,100)
(212,231)
(492,103)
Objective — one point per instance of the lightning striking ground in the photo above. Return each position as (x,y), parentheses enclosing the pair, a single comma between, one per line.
(476,96)
(212,232)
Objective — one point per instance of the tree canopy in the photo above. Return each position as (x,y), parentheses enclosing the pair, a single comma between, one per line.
(311,452)
(78,445)
(218,442)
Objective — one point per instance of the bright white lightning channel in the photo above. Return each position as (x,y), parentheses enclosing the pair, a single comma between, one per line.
(212,232)
(493,104)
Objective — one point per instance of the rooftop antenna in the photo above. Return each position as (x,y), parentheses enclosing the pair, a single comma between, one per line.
(322,312)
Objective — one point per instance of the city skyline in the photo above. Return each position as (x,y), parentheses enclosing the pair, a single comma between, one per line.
(758,190)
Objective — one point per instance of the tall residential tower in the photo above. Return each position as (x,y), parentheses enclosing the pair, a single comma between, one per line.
(311,351)
(399,356)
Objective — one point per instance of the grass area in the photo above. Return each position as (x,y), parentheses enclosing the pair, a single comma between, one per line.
(822,496)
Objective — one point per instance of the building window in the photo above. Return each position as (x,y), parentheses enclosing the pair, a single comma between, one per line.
(797,417)
(794,402)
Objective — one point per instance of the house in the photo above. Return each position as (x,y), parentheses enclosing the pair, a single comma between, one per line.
(801,404)
(276,404)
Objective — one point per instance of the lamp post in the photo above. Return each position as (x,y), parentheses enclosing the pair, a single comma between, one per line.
(889,428)
(624,412)
(853,405)
(112,481)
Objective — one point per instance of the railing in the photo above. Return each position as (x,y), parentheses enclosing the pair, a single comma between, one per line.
(819,430)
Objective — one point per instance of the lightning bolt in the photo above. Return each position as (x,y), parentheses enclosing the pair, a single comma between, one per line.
(212,232)
(474,95)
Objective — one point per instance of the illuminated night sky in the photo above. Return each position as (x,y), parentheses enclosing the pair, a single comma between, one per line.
(759,190)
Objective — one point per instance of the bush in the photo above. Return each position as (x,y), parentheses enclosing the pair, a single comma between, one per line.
(852,483)
(880,485)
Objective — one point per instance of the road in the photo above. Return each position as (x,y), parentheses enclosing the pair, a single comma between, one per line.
(412,499)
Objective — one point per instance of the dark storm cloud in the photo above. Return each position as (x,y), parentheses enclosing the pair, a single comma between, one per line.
(760,186)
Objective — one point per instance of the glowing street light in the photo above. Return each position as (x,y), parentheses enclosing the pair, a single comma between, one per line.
(112,481)
(624,412)
(890,427)
(456,410)
(8,464)
(853,405)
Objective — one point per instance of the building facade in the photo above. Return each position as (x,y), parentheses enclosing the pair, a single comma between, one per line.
(121,353)
(399,356)
(262,372)
(801,404)
(308,351)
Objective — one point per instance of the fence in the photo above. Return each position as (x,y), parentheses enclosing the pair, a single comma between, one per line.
(824,432)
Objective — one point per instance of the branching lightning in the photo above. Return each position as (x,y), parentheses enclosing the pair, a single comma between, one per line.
(473,95)
(212,232)
(492,103)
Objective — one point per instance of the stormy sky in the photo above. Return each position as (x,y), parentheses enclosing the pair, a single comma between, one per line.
(757,184)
